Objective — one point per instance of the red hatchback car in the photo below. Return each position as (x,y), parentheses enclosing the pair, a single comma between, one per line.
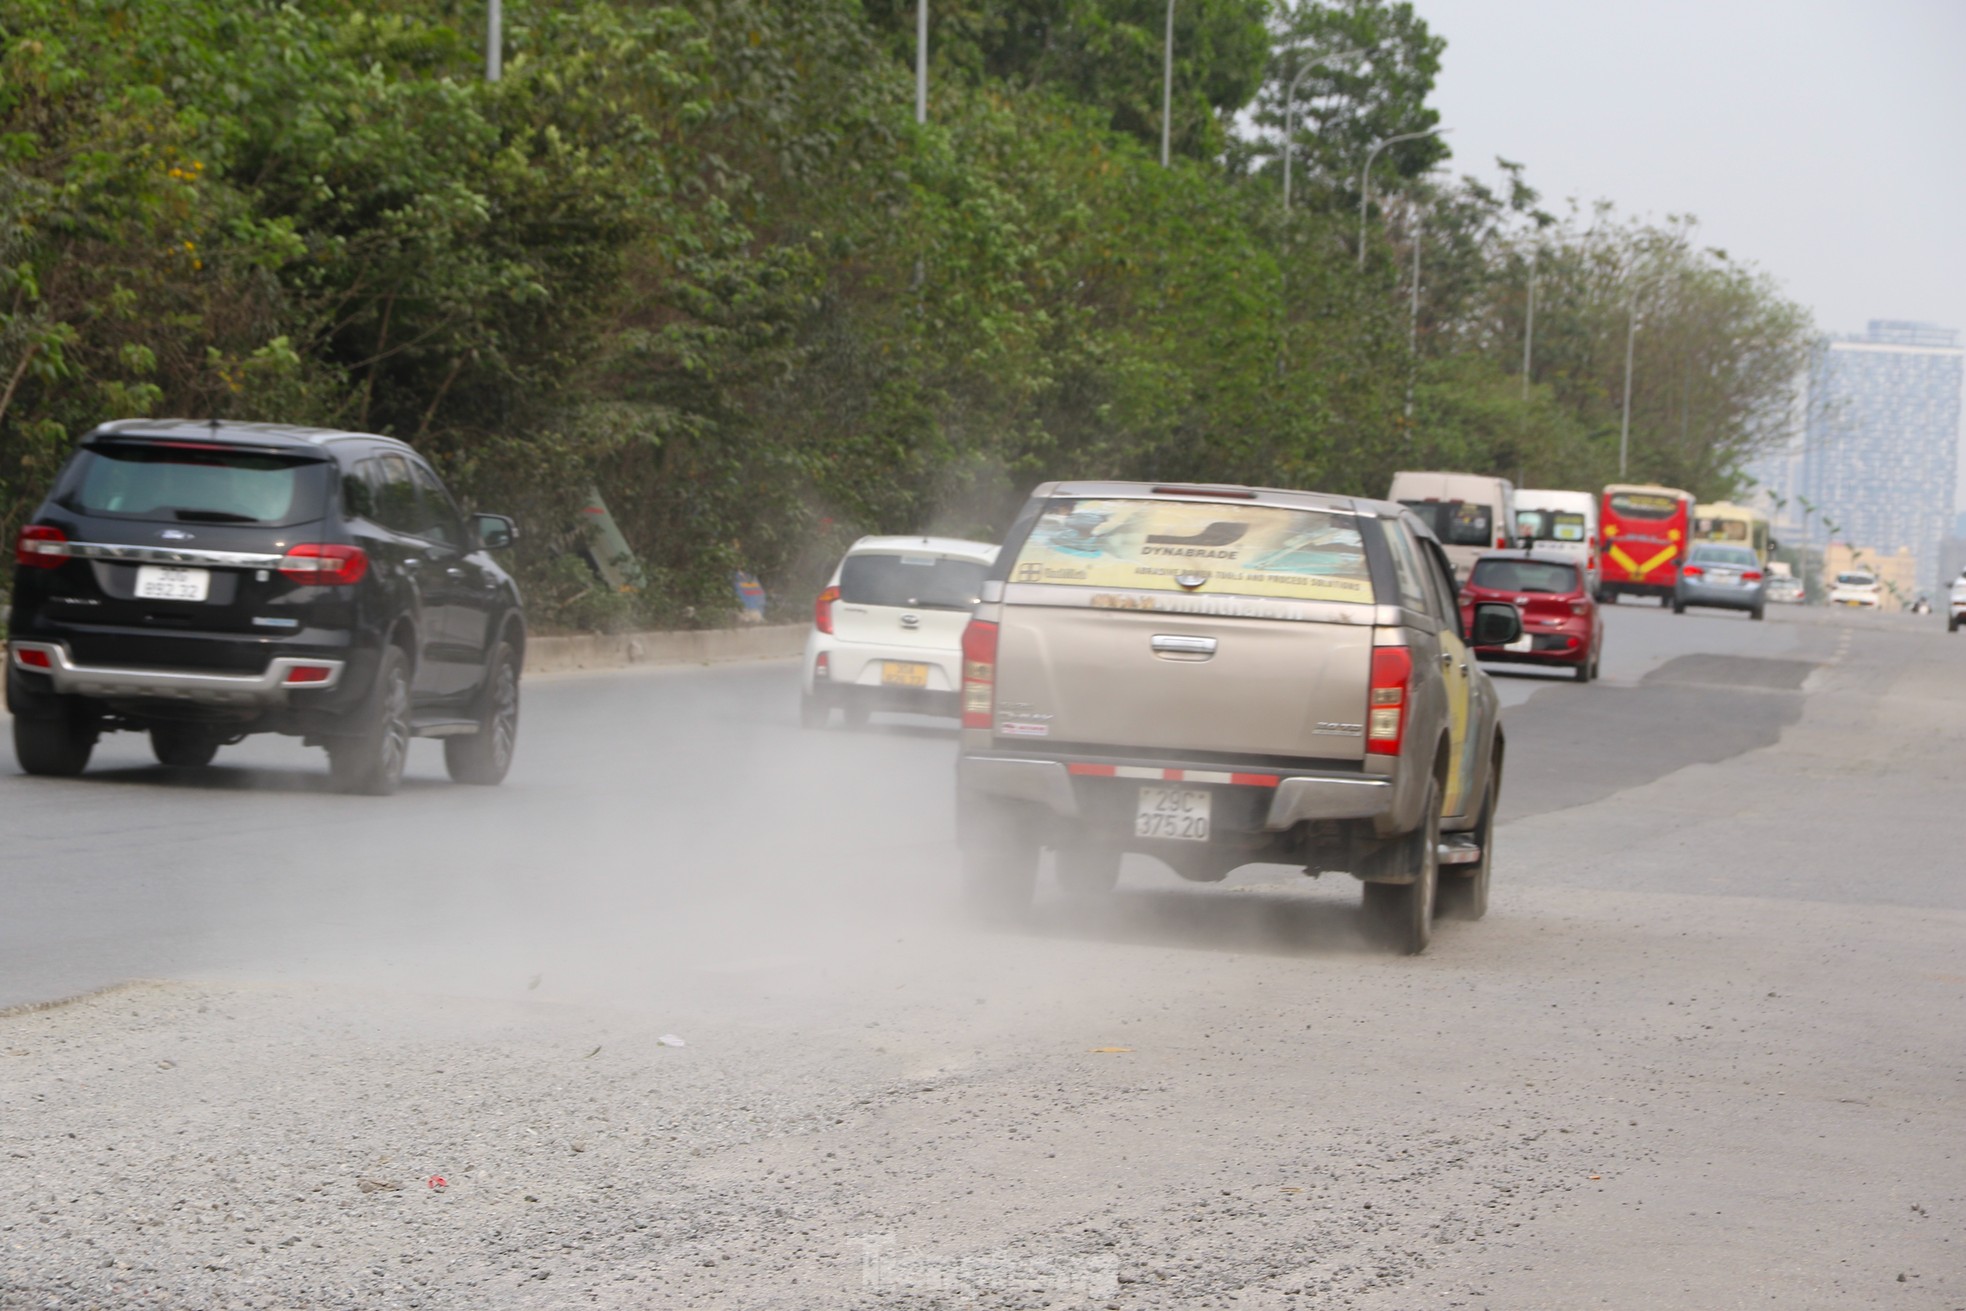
(1560,620)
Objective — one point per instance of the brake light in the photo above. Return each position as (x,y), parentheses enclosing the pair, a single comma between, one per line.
(822,609)
(33,658)
(1751,576)
(40,547)
(979,673)
(1501,542)
(324,564)
(310,674)
(1385,724)
(1692,571)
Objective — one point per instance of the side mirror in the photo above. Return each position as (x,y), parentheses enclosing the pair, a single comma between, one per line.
(495,532)
(1496,623)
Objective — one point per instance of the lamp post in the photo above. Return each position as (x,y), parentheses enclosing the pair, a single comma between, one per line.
(921,61)
(1529,322)
(494,40)
(1365,176)
(1625,425)
(1167,84)
(1290,106)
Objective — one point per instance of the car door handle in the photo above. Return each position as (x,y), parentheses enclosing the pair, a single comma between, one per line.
(1174,644)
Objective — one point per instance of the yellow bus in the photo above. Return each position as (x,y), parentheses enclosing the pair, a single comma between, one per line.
(1723,521)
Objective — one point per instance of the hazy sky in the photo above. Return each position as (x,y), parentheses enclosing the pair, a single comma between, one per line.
(1822,140)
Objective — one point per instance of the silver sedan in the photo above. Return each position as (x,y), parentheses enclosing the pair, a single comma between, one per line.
(1726,577)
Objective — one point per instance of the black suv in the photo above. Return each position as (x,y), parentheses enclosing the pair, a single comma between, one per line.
(201,581)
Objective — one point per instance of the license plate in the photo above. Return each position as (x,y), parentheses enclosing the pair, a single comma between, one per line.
(160,582)
(1527,642)
(903,673)
(1180,814)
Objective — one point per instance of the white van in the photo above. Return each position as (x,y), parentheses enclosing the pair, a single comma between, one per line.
(1470,513)
(1561,523)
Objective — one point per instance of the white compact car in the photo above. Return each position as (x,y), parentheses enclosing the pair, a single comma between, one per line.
(1956,603)
(887,631)
(1855,587)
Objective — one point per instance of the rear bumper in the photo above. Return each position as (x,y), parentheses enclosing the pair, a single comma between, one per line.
(1726,598)
(121,683)
(1278,800)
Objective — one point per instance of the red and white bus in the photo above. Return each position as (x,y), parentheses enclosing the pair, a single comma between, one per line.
(1645,529)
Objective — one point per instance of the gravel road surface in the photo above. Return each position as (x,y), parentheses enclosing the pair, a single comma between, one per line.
(1705,1051)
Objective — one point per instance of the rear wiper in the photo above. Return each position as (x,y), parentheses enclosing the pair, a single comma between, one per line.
(213,516)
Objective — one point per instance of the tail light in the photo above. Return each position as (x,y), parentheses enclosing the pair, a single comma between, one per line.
(1692,571)
(324,564)
(1392,676)
(1501,542)
(979,672)
(41,547)
(1580,608)
(822,609)
(310,674)
(33,657)
(1751,576)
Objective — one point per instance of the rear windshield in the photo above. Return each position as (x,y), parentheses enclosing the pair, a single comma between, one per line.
(1524,576)
(1550,525)
(1722,530)
(1740,555)
(1855,580)
(1205,548)
(1644,505)
(913,581)
(186,483)
(1456,523)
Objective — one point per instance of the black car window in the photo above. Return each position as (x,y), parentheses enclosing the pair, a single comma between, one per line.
(1524,576)
(395,494)
(194,482)
(438,513)
(916,580)
(1457,523)
(1406,566)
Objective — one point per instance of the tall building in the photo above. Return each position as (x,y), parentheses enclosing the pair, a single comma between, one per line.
(1880,448)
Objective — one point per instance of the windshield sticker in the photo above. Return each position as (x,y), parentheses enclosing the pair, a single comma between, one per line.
(1186,548)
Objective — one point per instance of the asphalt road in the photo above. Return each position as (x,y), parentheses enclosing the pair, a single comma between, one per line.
(1704,1052)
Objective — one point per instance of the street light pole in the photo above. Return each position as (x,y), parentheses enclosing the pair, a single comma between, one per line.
(1290,105)
(1365,176)
(1529,323)
(1625,427)
(494,40)
(1167,84)
(921,61)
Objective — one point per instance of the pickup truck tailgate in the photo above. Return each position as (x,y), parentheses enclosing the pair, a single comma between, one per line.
(1182,683)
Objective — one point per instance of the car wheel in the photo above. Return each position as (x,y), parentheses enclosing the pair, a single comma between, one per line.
(1464,888)
(1402,914)
(1755,614)
(1087,869)
(183,746)
(814,713)
(370,762)
(1678,606)
(999,860)
(1952,623)
(485,757)
(56,746)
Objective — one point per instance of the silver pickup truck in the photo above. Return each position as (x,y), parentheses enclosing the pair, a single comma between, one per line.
(1224,675)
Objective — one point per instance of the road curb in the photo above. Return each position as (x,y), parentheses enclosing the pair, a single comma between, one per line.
(553,655)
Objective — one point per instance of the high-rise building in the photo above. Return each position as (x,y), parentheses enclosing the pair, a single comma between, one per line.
(1880,447)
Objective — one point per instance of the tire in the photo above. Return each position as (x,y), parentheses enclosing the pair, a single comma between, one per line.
(370,762)
(1087,870)
(1402,914)
(1952,623)
(814,713)
(183,746)
(57,746)
(999,861)
(1678,606)
(1756,614)
(1463,892)
(1583,673)
(484,758)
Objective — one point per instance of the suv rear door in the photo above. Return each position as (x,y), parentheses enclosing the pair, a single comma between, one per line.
(1187,626)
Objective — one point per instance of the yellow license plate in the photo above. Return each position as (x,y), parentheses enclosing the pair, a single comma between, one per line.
(903,673)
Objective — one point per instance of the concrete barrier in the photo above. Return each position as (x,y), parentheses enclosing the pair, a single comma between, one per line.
(555,655)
